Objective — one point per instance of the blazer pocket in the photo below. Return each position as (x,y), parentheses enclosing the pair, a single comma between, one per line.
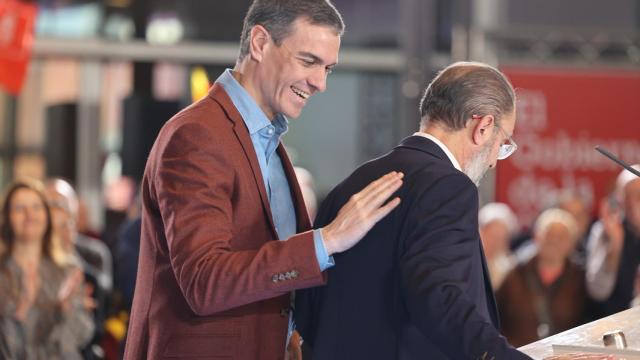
(203,346)
(207,338)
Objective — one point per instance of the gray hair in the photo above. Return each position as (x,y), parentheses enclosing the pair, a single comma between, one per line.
(555,216)
(624,178)
(498,212)
(277,16)
(464,89)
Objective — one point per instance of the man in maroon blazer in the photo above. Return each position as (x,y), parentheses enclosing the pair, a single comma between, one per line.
(225,234)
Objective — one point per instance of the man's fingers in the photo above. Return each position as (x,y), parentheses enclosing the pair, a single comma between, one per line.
(386,209)
(379,193)
(378,185)
(383,195)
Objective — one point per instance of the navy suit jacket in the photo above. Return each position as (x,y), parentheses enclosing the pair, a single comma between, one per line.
(416,287)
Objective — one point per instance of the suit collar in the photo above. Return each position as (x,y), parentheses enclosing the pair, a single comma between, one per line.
(442,146)
(425,145)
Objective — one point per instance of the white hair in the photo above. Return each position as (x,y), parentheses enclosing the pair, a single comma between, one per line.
(624,178)
(496,211)
(555,216)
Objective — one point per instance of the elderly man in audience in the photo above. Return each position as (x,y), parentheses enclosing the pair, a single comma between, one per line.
(498,224)
(546,294)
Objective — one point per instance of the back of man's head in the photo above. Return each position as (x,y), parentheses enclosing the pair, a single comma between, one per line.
(277,16)
(464,89)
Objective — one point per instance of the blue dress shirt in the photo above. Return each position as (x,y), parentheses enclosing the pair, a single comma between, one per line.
(265,136)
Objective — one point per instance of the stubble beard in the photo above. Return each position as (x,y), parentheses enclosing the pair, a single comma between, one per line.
(478,165)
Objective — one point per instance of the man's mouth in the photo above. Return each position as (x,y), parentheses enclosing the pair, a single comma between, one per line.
(301,93)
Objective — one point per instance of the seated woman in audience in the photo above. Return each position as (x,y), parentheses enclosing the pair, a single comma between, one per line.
(545,295)
(41,311)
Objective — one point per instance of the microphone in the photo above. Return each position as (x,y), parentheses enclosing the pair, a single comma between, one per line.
(608,154)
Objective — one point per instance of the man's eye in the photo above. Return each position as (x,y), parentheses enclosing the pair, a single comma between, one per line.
(308,62)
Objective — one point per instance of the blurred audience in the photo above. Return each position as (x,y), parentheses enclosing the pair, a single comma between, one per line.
(545,295)
(90,254)
(575,203)
(119,197)
(127,250)
(42,309)
(580,206)
(498,224)
(613,253)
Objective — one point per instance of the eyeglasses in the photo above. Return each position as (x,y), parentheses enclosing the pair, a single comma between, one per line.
(506,149)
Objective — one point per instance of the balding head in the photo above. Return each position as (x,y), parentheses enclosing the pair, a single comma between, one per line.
(464,89)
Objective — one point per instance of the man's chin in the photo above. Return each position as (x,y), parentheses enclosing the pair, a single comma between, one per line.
(292,114)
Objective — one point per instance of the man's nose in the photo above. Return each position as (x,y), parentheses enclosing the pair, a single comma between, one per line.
(318,80)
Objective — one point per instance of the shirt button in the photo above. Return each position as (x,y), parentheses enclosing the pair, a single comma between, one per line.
(270,131)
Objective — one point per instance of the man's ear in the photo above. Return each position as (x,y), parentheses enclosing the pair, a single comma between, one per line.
(259,38)
(482,128)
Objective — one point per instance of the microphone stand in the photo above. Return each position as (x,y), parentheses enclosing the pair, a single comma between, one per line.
(608,154)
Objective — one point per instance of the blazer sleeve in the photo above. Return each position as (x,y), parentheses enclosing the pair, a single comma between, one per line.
(193,184)
(437,267)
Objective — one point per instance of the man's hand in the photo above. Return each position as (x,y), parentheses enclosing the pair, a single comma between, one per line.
(611,218)
(294,349)
(361,213)
(69,287)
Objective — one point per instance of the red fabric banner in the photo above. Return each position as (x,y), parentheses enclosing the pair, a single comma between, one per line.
(562,115)
(17,21)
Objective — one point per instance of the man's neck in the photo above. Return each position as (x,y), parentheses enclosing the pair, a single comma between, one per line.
(453,140)
(244,76)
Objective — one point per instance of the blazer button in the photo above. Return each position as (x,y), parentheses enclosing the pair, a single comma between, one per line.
(275,278)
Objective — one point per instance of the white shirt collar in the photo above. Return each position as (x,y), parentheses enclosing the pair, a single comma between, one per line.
(442,146)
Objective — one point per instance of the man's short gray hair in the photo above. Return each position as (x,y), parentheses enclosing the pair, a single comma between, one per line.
(464,89)
(277,16)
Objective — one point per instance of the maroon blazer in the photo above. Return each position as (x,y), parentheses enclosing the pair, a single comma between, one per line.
(213,281)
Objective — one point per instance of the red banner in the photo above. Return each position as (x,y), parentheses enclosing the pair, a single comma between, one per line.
(16,38)
(562,116)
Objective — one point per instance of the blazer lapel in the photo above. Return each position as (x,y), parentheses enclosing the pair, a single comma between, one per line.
(218,94)
(302,217)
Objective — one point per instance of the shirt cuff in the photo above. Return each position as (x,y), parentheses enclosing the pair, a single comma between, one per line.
(324,260)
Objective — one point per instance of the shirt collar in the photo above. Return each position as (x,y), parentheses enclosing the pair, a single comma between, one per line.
(442,146)
(253,116)
(281,124)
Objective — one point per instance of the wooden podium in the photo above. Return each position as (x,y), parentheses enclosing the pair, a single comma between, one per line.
(588,338)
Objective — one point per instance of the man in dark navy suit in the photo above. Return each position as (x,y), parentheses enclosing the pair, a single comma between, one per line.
(417,287)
